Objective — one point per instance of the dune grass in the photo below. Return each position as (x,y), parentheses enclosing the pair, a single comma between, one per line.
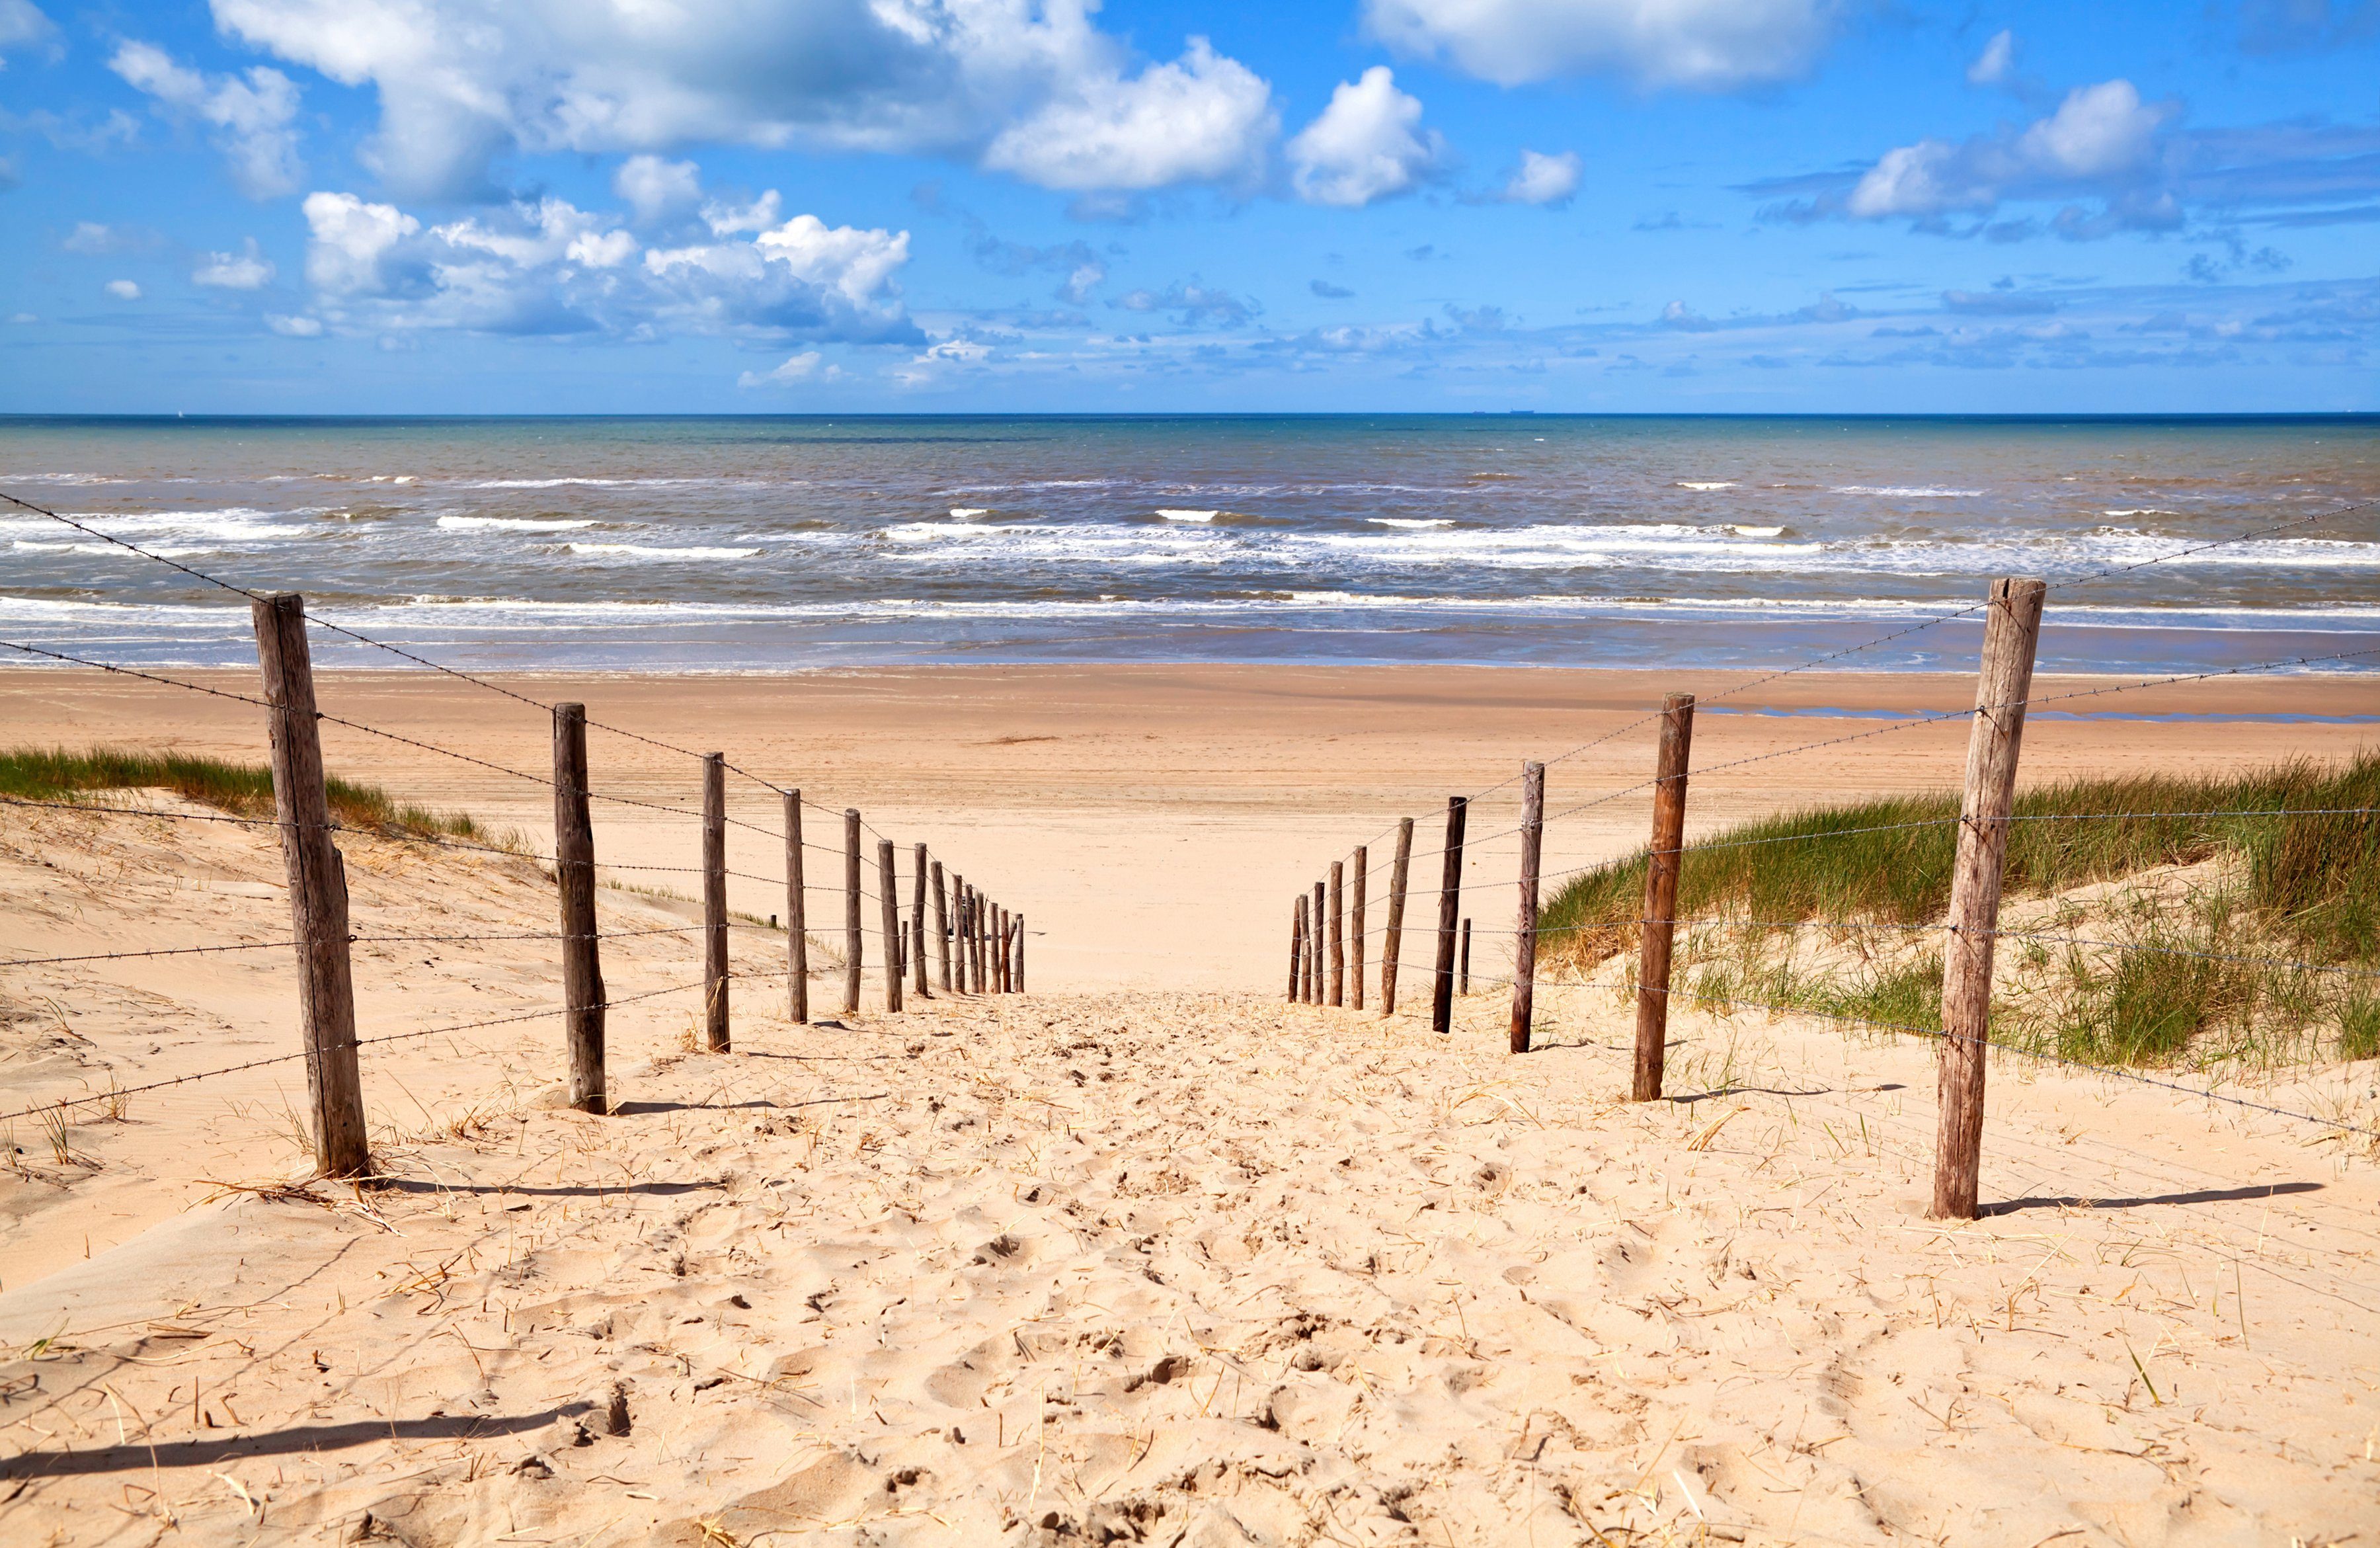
(2305,889)
(242,789)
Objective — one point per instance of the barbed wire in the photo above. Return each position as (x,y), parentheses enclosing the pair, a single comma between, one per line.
(352,939)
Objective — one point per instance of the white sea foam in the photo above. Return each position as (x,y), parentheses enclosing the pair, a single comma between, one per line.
(968,513)
(1412,522)
(2145,510)
(1706,486)
(515,523)
(1758,532)
(638,551)
(1908,492)
(1187,516)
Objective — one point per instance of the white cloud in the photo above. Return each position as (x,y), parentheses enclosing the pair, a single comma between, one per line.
(253,118)
(803,367)
(1365,146)
(294,327)
(92,238)
(462,82)
(658,189)
(726,220)
(1996,66)
(245,270)
(1706,44)
(21,22)
(1543,179)
(1203,119)
(123,290)
(548,267)
(2102,139)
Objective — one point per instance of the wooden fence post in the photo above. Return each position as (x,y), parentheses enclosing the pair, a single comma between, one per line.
(714,902)
(1664,859)
(918,932)
(1296,944)
(1018,954)
(1450,905)
(958,933)
(1392,947)
(317,888)
(1321,952)
(574,875)
(888,897)
(941,930)
(1525,939)
(2011,630)
(854,951)
(1007,966)
(797,940)
(1338,935)
(1355,932)
(1462,974)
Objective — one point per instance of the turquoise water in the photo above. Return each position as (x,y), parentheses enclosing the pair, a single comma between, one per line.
(777,544)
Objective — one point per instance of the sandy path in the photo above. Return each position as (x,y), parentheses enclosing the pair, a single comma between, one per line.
(1202,1268)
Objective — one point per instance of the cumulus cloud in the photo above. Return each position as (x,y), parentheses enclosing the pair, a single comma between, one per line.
(294,327)
(20,23)
(1366,145)
(546,266)
(1701,44)
(1203,119)
(1996,66)
(245,270)
(123,290)
(658,189)
(1029,86)
(252,118)
(1543,179)
(2102,140)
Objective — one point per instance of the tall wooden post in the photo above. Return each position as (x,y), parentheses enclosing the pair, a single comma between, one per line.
(888,897)
(854,951)
(1524,938)
(1296,946)
(318,889)
(941,930)
(1392,945)
(1449,905)
(2011,630)
(1338,936)
(798,938)
(959,894)
(1355,932)
(573,874)
(1007,966)
(714,902)
(918,933)
(1321,942)
(1016,955)
(1663,861)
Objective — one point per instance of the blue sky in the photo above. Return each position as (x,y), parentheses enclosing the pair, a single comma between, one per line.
(840,205)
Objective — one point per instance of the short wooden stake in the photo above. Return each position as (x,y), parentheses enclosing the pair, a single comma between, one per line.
(941,930)
(959,977)
(1664,859)
(318,889)
(1356,933)
(854,954)
(1462,975)
(573,874)
(1449,907)
(888,895)
(1392,944)
(1016,955)
(1321,942)
(918,933)
(1296,945)
(2011,630)
(798,938)
(714,902)
(1524,936)
(1338,935)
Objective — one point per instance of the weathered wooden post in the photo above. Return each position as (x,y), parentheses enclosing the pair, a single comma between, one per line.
(2011,630)
(573,874)
(318,889)
(1296,945)
(853,952)
(1338,934)
(1392,946)
(888,897)
(958,933)
(1524,940)
(1449,905)
(1355,932)
(1321,942)
(1018,954)
(918,933)
(1462,974)
(941,930)
(1007,965)
(1663,861)
(714,903)
(797,940)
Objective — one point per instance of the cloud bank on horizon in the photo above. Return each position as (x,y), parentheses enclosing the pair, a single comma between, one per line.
(260,205)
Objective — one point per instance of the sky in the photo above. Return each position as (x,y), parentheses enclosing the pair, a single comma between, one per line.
(819,206)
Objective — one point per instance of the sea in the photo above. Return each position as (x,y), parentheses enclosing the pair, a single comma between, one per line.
(769,544)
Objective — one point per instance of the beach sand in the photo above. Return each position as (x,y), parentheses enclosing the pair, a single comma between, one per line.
(1145,1255)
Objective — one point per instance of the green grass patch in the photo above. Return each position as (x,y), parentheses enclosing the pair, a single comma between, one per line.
(243,790)
(2303,888)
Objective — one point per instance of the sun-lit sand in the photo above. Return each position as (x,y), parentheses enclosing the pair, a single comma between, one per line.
(1145,1255)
